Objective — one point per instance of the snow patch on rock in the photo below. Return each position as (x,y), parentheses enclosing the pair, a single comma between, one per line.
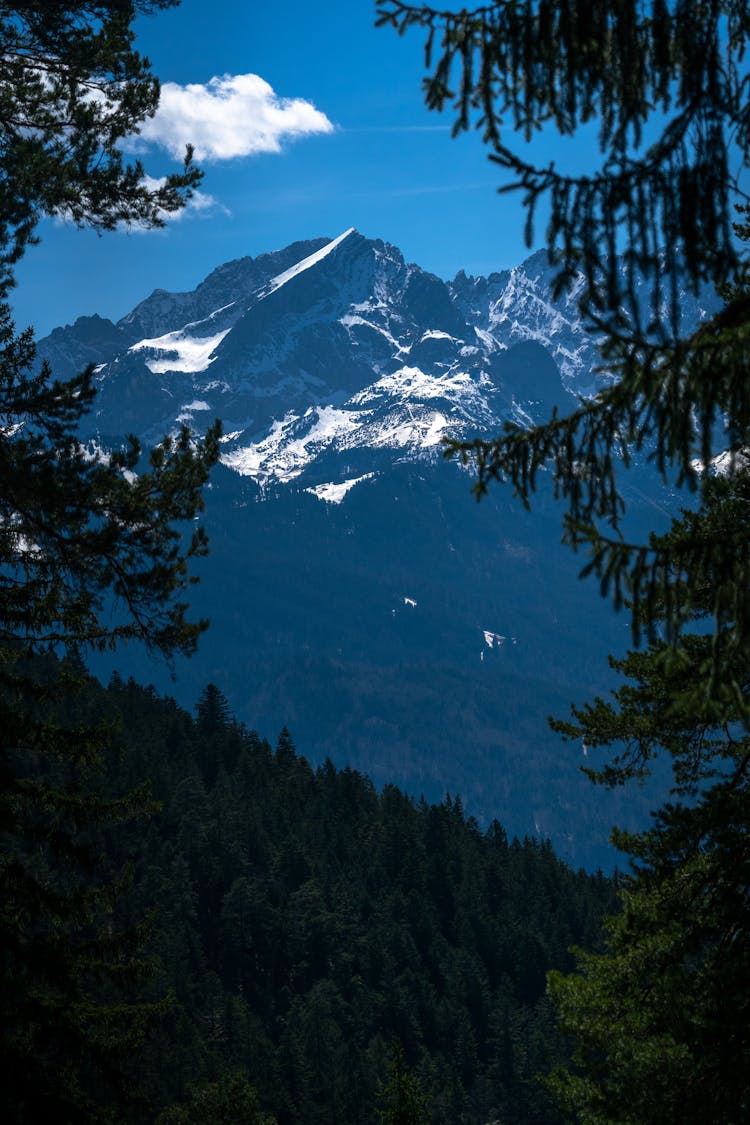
(333,493)
(179,352)
(306,263)
(292,443)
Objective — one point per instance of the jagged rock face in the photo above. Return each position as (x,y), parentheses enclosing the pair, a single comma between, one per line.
(330,347)
(355,591)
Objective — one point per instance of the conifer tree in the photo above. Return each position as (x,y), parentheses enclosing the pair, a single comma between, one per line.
(664,85)
(72,87)
(403,1101)
(661,1019)
(231,1100)
(91,555)
(213,710)
(82,532)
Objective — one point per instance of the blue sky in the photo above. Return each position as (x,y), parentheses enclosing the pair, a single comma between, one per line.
(356,147)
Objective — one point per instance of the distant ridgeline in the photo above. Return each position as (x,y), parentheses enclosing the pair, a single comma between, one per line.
(355,590)
(307,926)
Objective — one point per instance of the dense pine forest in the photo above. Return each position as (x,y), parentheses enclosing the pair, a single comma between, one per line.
(315,939)
(197,926)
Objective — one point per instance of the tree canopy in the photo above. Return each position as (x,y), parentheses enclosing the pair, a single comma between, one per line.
(82,530)
(664,85)
(660,1017)
(72,88)
(93,552)
(311,929)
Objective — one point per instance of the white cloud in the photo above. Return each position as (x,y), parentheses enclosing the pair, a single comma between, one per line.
(200,203)
(229,116)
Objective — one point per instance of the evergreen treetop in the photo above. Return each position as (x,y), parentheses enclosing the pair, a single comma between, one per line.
(665,85)
(91,554)
(81,530)
(72,87)
(661,1016)
(663,82)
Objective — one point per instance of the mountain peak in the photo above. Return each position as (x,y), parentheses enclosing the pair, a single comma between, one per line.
(309,261)
(333,347)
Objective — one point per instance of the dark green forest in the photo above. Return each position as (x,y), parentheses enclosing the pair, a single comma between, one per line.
(311,937)
(199,927)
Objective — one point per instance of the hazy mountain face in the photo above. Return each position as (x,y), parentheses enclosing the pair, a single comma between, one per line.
(342,343)
(356,591)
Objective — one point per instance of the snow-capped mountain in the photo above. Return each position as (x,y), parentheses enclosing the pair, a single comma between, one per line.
(334,347)
(356,592)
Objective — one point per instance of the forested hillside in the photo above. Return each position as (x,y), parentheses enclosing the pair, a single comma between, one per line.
(305,927)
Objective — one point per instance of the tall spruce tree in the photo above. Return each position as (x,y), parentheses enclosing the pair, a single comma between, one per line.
(664,84)
(231,1100)
(91,554)
(660,1019)
(403,1101)
(72,87)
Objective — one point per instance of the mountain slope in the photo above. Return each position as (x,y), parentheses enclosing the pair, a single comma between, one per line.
(287,900)
(355,590)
